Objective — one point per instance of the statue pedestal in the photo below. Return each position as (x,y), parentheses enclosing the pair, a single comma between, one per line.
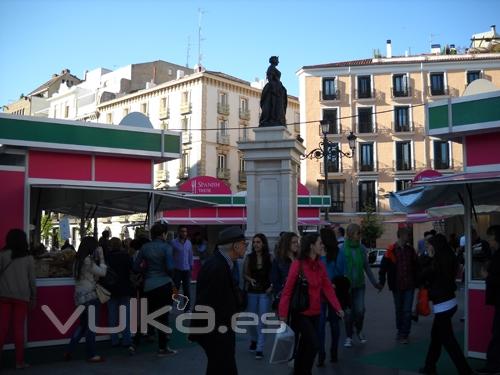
(272,167)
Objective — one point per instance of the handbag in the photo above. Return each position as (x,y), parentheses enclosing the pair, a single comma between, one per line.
(423,307)
(300,297)
(102,293)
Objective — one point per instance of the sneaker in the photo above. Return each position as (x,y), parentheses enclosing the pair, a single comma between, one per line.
(259,355)
(253,346)
(362,338)
(348,342)
(166,352)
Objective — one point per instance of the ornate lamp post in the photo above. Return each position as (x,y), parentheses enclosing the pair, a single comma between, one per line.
(330,152)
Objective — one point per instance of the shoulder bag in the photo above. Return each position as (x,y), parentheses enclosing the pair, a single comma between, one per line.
(300,297)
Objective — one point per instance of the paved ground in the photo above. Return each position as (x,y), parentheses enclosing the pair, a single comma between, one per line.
(381,355)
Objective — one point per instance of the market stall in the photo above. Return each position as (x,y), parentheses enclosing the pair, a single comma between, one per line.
(473,120)
(80,169)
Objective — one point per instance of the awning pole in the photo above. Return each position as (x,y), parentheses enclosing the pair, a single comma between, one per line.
(151,208)
(468,264)
(82,218)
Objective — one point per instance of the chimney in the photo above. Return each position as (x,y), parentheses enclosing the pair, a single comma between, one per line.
(389,49)
(436,49)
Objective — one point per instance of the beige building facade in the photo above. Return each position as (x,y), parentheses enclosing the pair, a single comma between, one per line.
(214,111)
(382,101)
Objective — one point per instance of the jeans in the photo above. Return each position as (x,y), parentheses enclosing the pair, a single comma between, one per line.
(183,277)
(403,303)
(84,330)
(442,335)
(158,298)
(113,319)
(13,312)
(258,303)
(356,313)
(493,353)
(307,328)
(328,314)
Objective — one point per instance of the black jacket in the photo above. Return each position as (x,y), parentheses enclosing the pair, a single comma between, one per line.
(438,276)
(215,288)
(121,264)
(389,268)
(493,281)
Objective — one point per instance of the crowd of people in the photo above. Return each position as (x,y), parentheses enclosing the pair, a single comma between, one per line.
(329,268)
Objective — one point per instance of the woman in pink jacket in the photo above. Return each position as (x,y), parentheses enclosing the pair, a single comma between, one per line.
(318,285)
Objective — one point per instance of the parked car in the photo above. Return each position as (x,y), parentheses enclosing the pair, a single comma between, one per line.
(375,257)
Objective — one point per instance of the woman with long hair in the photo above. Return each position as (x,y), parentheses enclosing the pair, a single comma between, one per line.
(356,261)
(89,266)
(17,290)
(438,275)
(287,251)
(307,321)
(257,275)
(335,263)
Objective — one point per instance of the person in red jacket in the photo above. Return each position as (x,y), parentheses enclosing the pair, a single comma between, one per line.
(318,285)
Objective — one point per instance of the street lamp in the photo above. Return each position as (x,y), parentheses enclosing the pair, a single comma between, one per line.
(329,151)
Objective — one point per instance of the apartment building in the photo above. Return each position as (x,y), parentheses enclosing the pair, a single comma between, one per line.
(382,101)
(35,103)
(213,111)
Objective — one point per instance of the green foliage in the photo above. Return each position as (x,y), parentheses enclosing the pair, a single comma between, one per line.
(371,227)
(46,227)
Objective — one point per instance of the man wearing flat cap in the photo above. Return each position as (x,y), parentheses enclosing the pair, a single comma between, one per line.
(216,288)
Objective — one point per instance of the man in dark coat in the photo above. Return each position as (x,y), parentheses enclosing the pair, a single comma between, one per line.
(215,288)
(493,298)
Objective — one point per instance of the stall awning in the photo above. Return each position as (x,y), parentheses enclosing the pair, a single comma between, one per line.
(412,219)
(482,187)
(106,201)
(232,221)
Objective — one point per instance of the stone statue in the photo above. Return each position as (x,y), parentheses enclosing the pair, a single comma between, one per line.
(274,99)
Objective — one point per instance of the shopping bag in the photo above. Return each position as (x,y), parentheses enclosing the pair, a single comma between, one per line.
(423,307)
(102,293)
(284,344)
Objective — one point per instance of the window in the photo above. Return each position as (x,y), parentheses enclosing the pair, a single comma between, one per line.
(222,98)
(332,158)
(437,84)
(329,88)
(403,184)
(403,156)
(365,120)
(366,194)
(330,115)
(244,104)
(221,161)
(366,163)
(109,118)
(364,87)
(66,111)
(223,127)
(125,111)
(441,155)
(402,118)
(144,108)
(163,104)
(400,85)
(242,164)
(185,98)
(336,191)
(184,172)
(472,75)
(185,121)
(243,133)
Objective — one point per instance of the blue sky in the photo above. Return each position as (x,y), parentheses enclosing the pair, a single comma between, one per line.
(42,37)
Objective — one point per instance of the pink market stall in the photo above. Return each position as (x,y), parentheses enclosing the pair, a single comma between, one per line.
(473,120)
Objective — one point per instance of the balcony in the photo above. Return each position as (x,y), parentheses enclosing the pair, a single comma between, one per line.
(364,206)
(441,164)
(244,114)
(366,127)
(186,136)
(244,137)
(367,168)
(223,173)
(185,108)
(222,138)
(337,206)
(329,97)
(183,173)
(402,165)
(223,109)
(401,128)
(242,176)
(439,91)
(332,168)
(164,113)
(404,92)
(361,94)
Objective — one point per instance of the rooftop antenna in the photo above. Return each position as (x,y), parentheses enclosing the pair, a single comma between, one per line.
(200,39)
(188,51)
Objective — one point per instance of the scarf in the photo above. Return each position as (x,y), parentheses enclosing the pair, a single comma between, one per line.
(355,263)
